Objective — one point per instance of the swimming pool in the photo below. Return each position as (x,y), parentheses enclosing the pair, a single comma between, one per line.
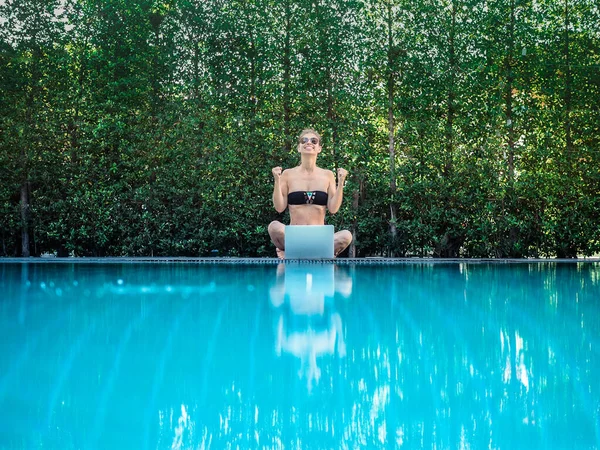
(300,355)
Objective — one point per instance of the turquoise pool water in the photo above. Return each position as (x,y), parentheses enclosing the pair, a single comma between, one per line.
(300,356)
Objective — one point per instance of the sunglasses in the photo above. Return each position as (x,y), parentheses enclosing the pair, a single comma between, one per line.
(305,140)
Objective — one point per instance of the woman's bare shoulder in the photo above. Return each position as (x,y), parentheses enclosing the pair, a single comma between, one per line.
(291,171)
(326,172)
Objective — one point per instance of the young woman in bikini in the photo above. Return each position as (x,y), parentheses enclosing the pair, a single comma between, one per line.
(308,191)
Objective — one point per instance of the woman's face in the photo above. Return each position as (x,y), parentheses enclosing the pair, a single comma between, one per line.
(309,143)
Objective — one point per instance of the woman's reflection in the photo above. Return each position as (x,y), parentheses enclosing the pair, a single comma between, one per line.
(307,324)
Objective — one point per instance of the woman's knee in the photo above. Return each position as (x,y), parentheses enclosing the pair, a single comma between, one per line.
(275,227)
(346,236)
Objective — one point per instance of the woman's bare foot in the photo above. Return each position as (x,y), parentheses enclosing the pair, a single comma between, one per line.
(280,253)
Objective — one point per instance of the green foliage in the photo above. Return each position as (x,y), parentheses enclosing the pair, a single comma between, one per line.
(145,128)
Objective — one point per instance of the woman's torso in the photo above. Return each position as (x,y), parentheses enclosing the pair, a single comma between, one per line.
(308,184)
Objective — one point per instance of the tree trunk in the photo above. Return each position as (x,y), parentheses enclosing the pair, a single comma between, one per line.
(25,219)
(570,247)
(508,63)
(30,138)
(253,100)
(286,78)
(568,87)
(451,96)
(391,125)
(355,197)
(196,62)
(155,20)
(329,84)
(331,117)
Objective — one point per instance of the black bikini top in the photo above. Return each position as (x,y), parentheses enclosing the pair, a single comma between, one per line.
(307,198)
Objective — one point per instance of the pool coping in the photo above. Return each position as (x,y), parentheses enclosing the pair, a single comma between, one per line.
(238,260)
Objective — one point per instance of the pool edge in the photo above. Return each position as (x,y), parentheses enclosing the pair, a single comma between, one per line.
(235,260)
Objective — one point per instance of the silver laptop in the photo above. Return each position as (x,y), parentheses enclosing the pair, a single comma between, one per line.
(309,242)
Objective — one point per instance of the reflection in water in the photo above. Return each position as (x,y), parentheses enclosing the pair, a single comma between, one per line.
(308,325)
(445,356)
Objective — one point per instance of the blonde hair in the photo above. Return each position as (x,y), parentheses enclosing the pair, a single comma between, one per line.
(309,131)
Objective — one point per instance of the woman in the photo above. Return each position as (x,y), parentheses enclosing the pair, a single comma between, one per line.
(307,190)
